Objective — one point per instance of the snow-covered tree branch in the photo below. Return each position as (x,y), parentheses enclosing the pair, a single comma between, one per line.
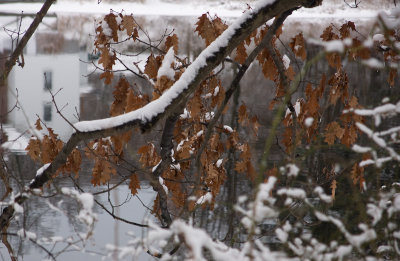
(257,140)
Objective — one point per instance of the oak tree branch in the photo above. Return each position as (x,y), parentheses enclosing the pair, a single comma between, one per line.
(211,57)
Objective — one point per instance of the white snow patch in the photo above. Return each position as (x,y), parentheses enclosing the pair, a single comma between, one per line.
(18,208)
(286,61)
(292,170)
(156,166)
(162,183)
(86,89)
(219,163)
(207,198)
(309,121)
(331,46)
(199,133)
(334,46)
(166,69)
(282,235)
(383,109)
(297,107)
(209,116)
(216,91)
(375,212)
(261,210)
(16,142)
(384,248)
(373,63)
(292,192)
(321,194)
(42,169)
(377,162)
(228,128)
(26,234)
(86,200)
(185,114)
(378,38)
(360,149)
(368,42)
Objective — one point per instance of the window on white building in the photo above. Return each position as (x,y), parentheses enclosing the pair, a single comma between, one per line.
(48,80)
(47,112)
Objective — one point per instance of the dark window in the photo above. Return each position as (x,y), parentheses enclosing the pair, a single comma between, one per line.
(48,80)
(47,112)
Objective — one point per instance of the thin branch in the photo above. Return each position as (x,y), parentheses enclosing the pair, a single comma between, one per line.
(109,212)
(43,248)
(119,218)
(355,5)
(110,188)
(24,40)
(129,69)
(4,239)
(58,110)
(286,85)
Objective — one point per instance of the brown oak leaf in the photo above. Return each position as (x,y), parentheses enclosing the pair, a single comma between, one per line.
(333,131)
(113,25)
(172,41)
(134,184)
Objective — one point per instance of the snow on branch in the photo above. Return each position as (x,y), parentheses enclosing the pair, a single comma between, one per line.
(86,201)
(146,117)
(197,240)
(208,59)
(383,139)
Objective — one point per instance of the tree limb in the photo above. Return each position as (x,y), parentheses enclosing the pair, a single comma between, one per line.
(286,85)
(235,83)
(146,117)
(166,160)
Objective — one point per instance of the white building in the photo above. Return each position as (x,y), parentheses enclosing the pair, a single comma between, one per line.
(52,66)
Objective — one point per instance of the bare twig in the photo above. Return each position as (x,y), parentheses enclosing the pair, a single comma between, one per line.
(43,248)
(355,5)
(4,239)
(58,110)
(111,212)
(24,40)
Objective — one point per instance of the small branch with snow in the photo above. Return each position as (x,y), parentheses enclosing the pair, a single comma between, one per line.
(235,82)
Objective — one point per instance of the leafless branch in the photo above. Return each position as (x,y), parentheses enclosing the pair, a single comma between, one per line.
(24,40)
(355,5)
(110,212)
(58,110)
(4,239)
